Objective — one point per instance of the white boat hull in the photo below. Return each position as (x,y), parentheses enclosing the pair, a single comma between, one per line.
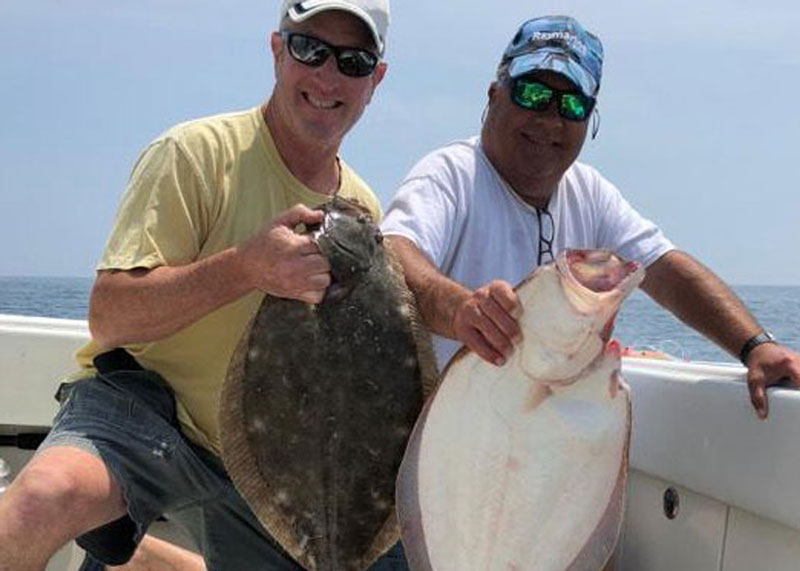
(693,430)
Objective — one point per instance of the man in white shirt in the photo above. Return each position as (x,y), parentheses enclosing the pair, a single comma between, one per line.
(475,216)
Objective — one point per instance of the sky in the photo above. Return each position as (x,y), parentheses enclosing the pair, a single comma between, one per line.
(698,130)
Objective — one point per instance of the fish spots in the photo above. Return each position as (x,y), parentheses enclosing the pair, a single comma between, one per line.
(372,387)
(514,567)
(405,311)
(258,426)
(513,464)
(304,541)
(401,431)
(536,396)
(282,498)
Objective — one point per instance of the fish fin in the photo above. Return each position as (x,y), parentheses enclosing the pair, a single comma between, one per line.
(601,544)
(429,372)
(385,540)
(407,495)
(239,461)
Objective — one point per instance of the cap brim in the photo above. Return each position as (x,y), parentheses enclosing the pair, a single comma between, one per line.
(558,63)
(313,7)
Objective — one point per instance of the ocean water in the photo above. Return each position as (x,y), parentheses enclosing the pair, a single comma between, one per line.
(45,297)
(641,324)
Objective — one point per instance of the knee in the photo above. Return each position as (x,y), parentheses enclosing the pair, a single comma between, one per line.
(39,512)
(64,491)
(42,495)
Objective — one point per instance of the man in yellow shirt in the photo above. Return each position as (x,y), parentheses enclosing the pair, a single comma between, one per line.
(204,231)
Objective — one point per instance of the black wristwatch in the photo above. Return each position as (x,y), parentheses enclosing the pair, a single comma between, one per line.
(753,342)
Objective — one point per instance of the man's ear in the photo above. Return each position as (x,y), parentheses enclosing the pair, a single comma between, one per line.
(377,77)
(491,92)
(277,45)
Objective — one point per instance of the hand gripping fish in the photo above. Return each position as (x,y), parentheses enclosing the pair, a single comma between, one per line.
(523,467)
(320,400)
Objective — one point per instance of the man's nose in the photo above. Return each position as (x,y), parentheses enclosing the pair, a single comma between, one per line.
(329,70)
(549,116)
(552,110)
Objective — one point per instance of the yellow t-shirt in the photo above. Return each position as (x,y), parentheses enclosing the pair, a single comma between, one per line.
(199,189)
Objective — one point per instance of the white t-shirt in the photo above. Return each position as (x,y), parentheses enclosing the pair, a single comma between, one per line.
(466,219)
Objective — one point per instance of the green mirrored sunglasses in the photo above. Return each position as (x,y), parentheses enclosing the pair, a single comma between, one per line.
(536,96)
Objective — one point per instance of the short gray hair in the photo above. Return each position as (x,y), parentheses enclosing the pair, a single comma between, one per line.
(285,23)
(502,71)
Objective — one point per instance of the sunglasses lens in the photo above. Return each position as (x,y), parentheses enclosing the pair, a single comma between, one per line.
(352,62)
(532,95)
(308,50)
(536,96)
(356,63)
(575,107)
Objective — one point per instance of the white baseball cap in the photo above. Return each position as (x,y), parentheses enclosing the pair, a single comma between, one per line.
(374,13)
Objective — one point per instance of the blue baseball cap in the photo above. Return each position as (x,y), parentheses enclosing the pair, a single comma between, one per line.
(559,44)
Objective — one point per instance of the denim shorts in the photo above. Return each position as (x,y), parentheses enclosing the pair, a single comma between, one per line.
(127,419)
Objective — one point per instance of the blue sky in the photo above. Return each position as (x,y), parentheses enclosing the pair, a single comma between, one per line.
(699,125)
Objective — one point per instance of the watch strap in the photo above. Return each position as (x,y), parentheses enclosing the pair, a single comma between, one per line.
(753,342)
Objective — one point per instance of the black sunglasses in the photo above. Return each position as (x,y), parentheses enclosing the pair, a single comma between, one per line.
(547,232)
(536,96)
(308,50)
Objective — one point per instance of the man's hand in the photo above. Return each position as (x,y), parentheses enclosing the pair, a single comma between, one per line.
(486,321)
(701,300)
(770,364)
(286,264)
(143,305)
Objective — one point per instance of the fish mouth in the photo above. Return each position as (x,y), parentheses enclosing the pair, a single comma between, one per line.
(598,281)
(344,238)
(359,260)
(327,239)
(600,271)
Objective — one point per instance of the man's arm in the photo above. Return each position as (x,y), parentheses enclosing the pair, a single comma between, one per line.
(142,305)
(701,300)
(485,319)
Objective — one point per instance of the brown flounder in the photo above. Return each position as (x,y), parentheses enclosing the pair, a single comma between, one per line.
(320,400)
(523,467)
